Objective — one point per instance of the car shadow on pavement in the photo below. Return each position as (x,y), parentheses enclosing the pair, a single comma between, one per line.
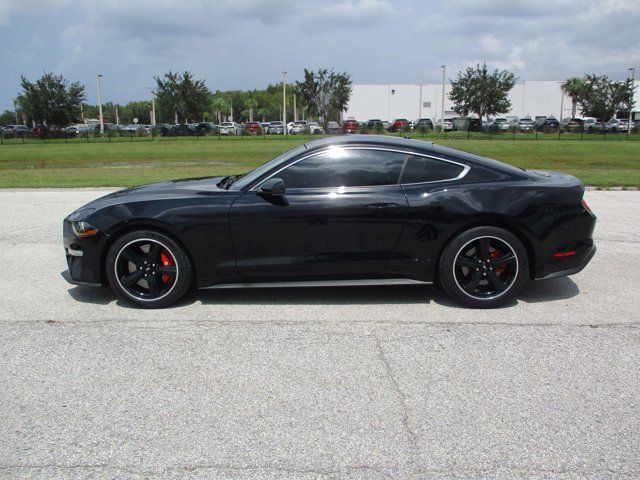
(534,292)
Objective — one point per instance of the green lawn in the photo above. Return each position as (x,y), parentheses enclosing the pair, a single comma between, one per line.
(125,163)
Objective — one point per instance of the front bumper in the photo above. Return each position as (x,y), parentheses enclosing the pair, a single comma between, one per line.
(84,257)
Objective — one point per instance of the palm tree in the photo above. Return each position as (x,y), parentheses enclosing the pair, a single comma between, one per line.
(251,103)
(219,105)
(575,87)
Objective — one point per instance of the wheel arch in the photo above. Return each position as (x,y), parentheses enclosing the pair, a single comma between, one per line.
(519,231)
(125,227)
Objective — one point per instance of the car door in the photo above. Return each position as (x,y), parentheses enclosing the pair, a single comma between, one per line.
(341,216)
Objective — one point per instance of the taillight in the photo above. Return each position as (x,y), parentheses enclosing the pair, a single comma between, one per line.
(586,207)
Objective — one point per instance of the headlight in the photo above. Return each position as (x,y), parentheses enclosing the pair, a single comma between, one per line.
(83,229)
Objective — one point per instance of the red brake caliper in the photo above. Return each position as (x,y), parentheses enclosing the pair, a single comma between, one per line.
(499,268)
(166,259)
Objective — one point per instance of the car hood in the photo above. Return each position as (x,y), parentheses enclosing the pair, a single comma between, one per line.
(173,189)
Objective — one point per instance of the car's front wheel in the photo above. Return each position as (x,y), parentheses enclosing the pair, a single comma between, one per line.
(148,269)
(484,267)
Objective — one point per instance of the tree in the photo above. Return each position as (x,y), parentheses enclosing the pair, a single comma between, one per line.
(602,98)
(575,87)
(7,117)
(220,105)
(478,91)
(181,96)
(325,92)
(51,100)
(251,104)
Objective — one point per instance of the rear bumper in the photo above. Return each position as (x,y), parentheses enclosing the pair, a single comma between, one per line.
(569,265)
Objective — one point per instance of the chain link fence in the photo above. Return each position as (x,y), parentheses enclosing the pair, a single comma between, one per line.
(166,134)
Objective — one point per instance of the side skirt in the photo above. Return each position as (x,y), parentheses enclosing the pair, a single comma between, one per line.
(322,283)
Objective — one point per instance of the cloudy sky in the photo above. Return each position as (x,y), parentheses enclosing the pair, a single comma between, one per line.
(248,43)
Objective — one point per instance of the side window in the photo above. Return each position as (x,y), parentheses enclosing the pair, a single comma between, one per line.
(345,168)
(423,169)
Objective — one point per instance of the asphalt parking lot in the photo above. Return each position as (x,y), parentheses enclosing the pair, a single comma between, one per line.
(356,383)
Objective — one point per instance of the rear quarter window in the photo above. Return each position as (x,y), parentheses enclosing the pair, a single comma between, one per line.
(422,169)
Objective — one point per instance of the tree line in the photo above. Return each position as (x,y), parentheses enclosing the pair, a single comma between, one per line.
(182,98)
(483,93)
(322,95)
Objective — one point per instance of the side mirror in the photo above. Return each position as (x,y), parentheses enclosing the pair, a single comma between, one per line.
(273,186)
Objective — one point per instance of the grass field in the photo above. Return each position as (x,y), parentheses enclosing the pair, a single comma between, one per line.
(124,163)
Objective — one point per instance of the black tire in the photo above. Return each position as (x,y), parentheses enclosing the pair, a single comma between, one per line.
(148,269)
(471,271)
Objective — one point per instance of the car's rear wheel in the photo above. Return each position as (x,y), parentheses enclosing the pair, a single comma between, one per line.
(484,267)
(148,269)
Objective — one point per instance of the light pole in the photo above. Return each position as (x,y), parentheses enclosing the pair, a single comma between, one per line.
(631,104)
(100,106)
(561,105)
(420,104)
(444,73)
(153,106)
(284,103)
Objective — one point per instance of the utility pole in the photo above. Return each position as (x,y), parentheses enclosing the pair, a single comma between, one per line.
(631,102)
(153,106)
(117,117)
(444,73)
(295,109)
(100,107)
(284,102)
(561,104)
(420,104)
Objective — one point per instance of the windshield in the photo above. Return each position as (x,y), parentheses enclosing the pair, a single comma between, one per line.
(265,167)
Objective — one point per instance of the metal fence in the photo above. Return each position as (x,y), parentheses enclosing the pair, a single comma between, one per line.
(513,134)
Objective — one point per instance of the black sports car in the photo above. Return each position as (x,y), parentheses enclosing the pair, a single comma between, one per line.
(353,210)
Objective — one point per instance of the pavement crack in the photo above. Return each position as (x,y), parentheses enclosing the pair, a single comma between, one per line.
(402,398)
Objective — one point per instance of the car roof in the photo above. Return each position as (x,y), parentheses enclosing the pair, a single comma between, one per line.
(417,146)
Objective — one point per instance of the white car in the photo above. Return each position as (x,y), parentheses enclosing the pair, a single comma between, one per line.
(229,128)
(316,129)
(299,126)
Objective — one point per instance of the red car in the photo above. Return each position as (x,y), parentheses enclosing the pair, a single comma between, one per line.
(350,126)
(252,128)
(398,124)
(40,130)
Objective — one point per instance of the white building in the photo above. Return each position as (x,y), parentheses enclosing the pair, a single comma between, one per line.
(411,101)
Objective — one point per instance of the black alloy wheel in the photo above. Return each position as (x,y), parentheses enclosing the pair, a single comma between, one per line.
(484,267)
(148,269)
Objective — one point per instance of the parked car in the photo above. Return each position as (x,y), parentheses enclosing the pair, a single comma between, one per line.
(40,130)
(423,125)
(183,130)
(252,128)
(229,128)
(325,213)
(399,124)
(316,129)
(299,126)
(538,120)
(19,130)
(350,126)
(446,125)
(591,125)
(526,125)
(467,124)
(623,125)
(549,124)
(575,125)
(276,128)
(333,128)
(133,129)
(375,124)
(162,129)
(204,128)
(264,126)
(501,124)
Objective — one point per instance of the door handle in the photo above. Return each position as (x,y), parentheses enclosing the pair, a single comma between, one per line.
(380,206)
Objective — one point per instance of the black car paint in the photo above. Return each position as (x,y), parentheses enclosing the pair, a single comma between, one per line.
(235,236)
